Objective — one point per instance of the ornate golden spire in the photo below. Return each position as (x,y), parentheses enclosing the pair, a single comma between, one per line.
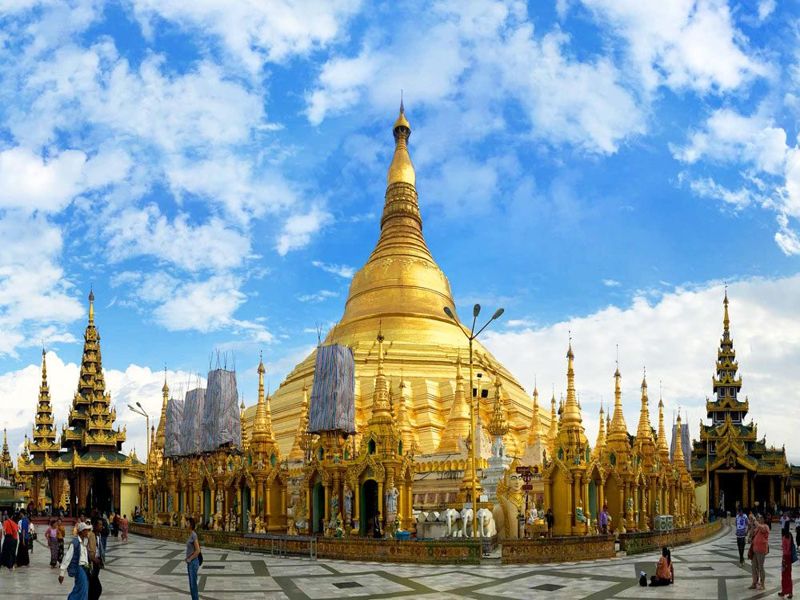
(44,433)
(401,170)
(534,435)
(263,435)
(297,452)
(678,459)
(6,463)
(644,444)
(600,444)
(726,322)
(161,436)
(552,433)
(91,306)
(617,440)
(380,396)
(498,426)
(457,426)
(572,412)
(661,442)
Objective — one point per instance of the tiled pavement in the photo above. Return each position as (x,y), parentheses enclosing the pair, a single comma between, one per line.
(154,570)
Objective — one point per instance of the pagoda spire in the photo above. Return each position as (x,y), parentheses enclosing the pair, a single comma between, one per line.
(617,435)
(44,433)
(498,426)
(298,451)
(534,435)
(161,436)
(572,412)
(678,458)
(552,432)
(6,463)
(644,444)
(262,435)
(381,412)
(457,427)
(600,444)
(661,442)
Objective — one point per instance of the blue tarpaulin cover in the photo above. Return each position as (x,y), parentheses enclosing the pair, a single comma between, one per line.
(221,420)
(193,405)
(172,428)
(333,394)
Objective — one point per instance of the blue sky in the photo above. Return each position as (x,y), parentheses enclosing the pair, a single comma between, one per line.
(216,172)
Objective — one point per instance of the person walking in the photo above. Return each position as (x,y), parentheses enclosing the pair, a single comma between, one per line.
(23,559)
(193,555)
(95,554)
(76,563)
(741,533)
(60,537)
(51,536)
(8,554)
(104,531)
(760,548)
(123,528)
(788,556)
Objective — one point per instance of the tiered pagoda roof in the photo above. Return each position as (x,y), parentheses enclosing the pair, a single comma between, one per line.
(44,431)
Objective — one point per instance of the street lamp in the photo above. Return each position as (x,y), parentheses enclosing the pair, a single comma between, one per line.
(476,310)
(141,411)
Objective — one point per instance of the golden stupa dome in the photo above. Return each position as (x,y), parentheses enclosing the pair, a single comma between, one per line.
(402,292)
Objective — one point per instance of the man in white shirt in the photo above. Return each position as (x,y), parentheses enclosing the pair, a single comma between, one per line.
(76,563)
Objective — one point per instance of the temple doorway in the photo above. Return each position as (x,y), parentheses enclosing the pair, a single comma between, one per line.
(369,507)
(245,509)
(318,508)
(730,492)
(100,495)
(206,504)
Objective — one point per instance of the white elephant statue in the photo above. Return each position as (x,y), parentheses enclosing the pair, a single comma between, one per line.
(486,526)
(451,517)
(467,517)
(432,517)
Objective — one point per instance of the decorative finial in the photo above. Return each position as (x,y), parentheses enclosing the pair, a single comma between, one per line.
(402,108)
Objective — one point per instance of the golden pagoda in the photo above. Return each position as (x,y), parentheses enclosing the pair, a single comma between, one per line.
(402,292)
(6,462)
(90,461)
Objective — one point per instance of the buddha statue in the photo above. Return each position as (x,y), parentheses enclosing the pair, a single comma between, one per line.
(510,503)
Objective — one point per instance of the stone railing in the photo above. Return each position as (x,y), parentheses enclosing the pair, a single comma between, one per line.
(457,551)
(645,541)
(557,549)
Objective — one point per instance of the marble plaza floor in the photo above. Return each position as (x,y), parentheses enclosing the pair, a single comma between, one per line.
(154,570)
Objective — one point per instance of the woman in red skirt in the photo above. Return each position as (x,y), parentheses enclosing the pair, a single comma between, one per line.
(787,545)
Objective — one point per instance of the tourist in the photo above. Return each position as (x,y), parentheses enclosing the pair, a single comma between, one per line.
(741,533)
(376,526)
(193,555)
(51,535)
(60,537)
(95,554)
(76,563)
(603,520)
(665,575)
(788,555)
(550,519)
(23,559)
(104,531)
(759,547)
(123,528)
(8,554)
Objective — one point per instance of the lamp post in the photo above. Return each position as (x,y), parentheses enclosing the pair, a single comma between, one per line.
(476,310)
(139,410)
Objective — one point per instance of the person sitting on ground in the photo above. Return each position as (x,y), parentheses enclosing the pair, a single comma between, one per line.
(665,574)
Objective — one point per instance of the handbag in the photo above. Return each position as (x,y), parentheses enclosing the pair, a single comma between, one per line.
(200,558)
(794,554)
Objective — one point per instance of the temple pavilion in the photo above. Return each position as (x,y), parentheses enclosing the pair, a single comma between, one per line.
(86,470)
(742,470)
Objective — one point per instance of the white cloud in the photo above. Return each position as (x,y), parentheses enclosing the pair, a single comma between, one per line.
(209,246)
(298,229)
(676,337)
(765,9)
(769,167)
(690,44)
(471,58)
(343,271)
(256,32)
(611,283)
(319,296)
(36,298)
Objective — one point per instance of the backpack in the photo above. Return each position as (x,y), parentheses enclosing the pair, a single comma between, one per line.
(643,579)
